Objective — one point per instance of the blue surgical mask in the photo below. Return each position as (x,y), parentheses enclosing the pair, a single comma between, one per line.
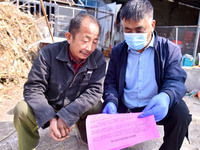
(136,41)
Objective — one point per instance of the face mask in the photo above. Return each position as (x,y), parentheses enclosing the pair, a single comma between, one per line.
(136,41)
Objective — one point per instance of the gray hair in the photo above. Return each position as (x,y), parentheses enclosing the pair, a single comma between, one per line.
(136,10)
(75,23)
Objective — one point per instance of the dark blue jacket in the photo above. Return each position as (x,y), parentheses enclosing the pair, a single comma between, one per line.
(169,74)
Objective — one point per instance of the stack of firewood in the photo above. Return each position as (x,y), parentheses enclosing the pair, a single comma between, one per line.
(18,31)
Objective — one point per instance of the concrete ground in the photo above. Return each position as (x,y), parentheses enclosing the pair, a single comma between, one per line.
(8,135)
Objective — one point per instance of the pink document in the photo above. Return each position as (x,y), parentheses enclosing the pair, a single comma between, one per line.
(118,131)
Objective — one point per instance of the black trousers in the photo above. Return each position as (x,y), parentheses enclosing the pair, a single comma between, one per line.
(176,125)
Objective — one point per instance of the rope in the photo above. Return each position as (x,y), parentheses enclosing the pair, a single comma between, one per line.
(7,135)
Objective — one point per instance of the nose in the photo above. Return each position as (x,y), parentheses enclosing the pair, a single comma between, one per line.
(89,46)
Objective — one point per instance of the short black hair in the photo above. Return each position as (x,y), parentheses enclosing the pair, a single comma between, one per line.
(136,10)
(75,23)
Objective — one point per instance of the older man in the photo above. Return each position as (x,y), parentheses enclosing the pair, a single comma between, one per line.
(145,75)
(64,85)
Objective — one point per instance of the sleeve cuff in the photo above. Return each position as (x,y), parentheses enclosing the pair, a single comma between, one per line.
(69,118)
(45,118)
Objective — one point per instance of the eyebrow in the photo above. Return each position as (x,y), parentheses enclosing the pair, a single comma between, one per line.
(139,27)
(88,37)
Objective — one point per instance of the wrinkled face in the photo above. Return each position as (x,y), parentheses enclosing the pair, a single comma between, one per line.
(145,25)
(85,41)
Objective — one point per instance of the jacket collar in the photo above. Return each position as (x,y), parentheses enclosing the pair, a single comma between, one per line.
(64,56)
(155,44)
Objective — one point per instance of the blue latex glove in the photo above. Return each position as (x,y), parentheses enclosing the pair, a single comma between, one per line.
(110,108)
(157,106)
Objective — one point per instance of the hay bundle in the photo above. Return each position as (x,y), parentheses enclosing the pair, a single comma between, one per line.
(17,32)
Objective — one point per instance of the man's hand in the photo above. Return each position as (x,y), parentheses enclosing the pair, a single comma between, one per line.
(158,106)
(110,108)
(64,130)
(58,129)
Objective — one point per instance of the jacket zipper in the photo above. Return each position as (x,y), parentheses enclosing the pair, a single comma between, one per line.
(74,79)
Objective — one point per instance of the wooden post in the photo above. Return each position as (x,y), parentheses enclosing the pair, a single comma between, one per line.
(45,15)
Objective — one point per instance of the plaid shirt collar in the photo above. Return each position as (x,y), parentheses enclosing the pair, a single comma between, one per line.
(75,65)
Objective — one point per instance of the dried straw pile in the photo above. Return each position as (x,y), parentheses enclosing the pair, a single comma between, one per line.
(17,31)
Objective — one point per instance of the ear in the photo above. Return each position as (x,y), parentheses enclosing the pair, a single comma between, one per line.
(68,37)
(153,25)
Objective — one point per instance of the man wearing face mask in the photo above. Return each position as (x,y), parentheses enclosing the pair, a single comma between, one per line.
(145,75)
